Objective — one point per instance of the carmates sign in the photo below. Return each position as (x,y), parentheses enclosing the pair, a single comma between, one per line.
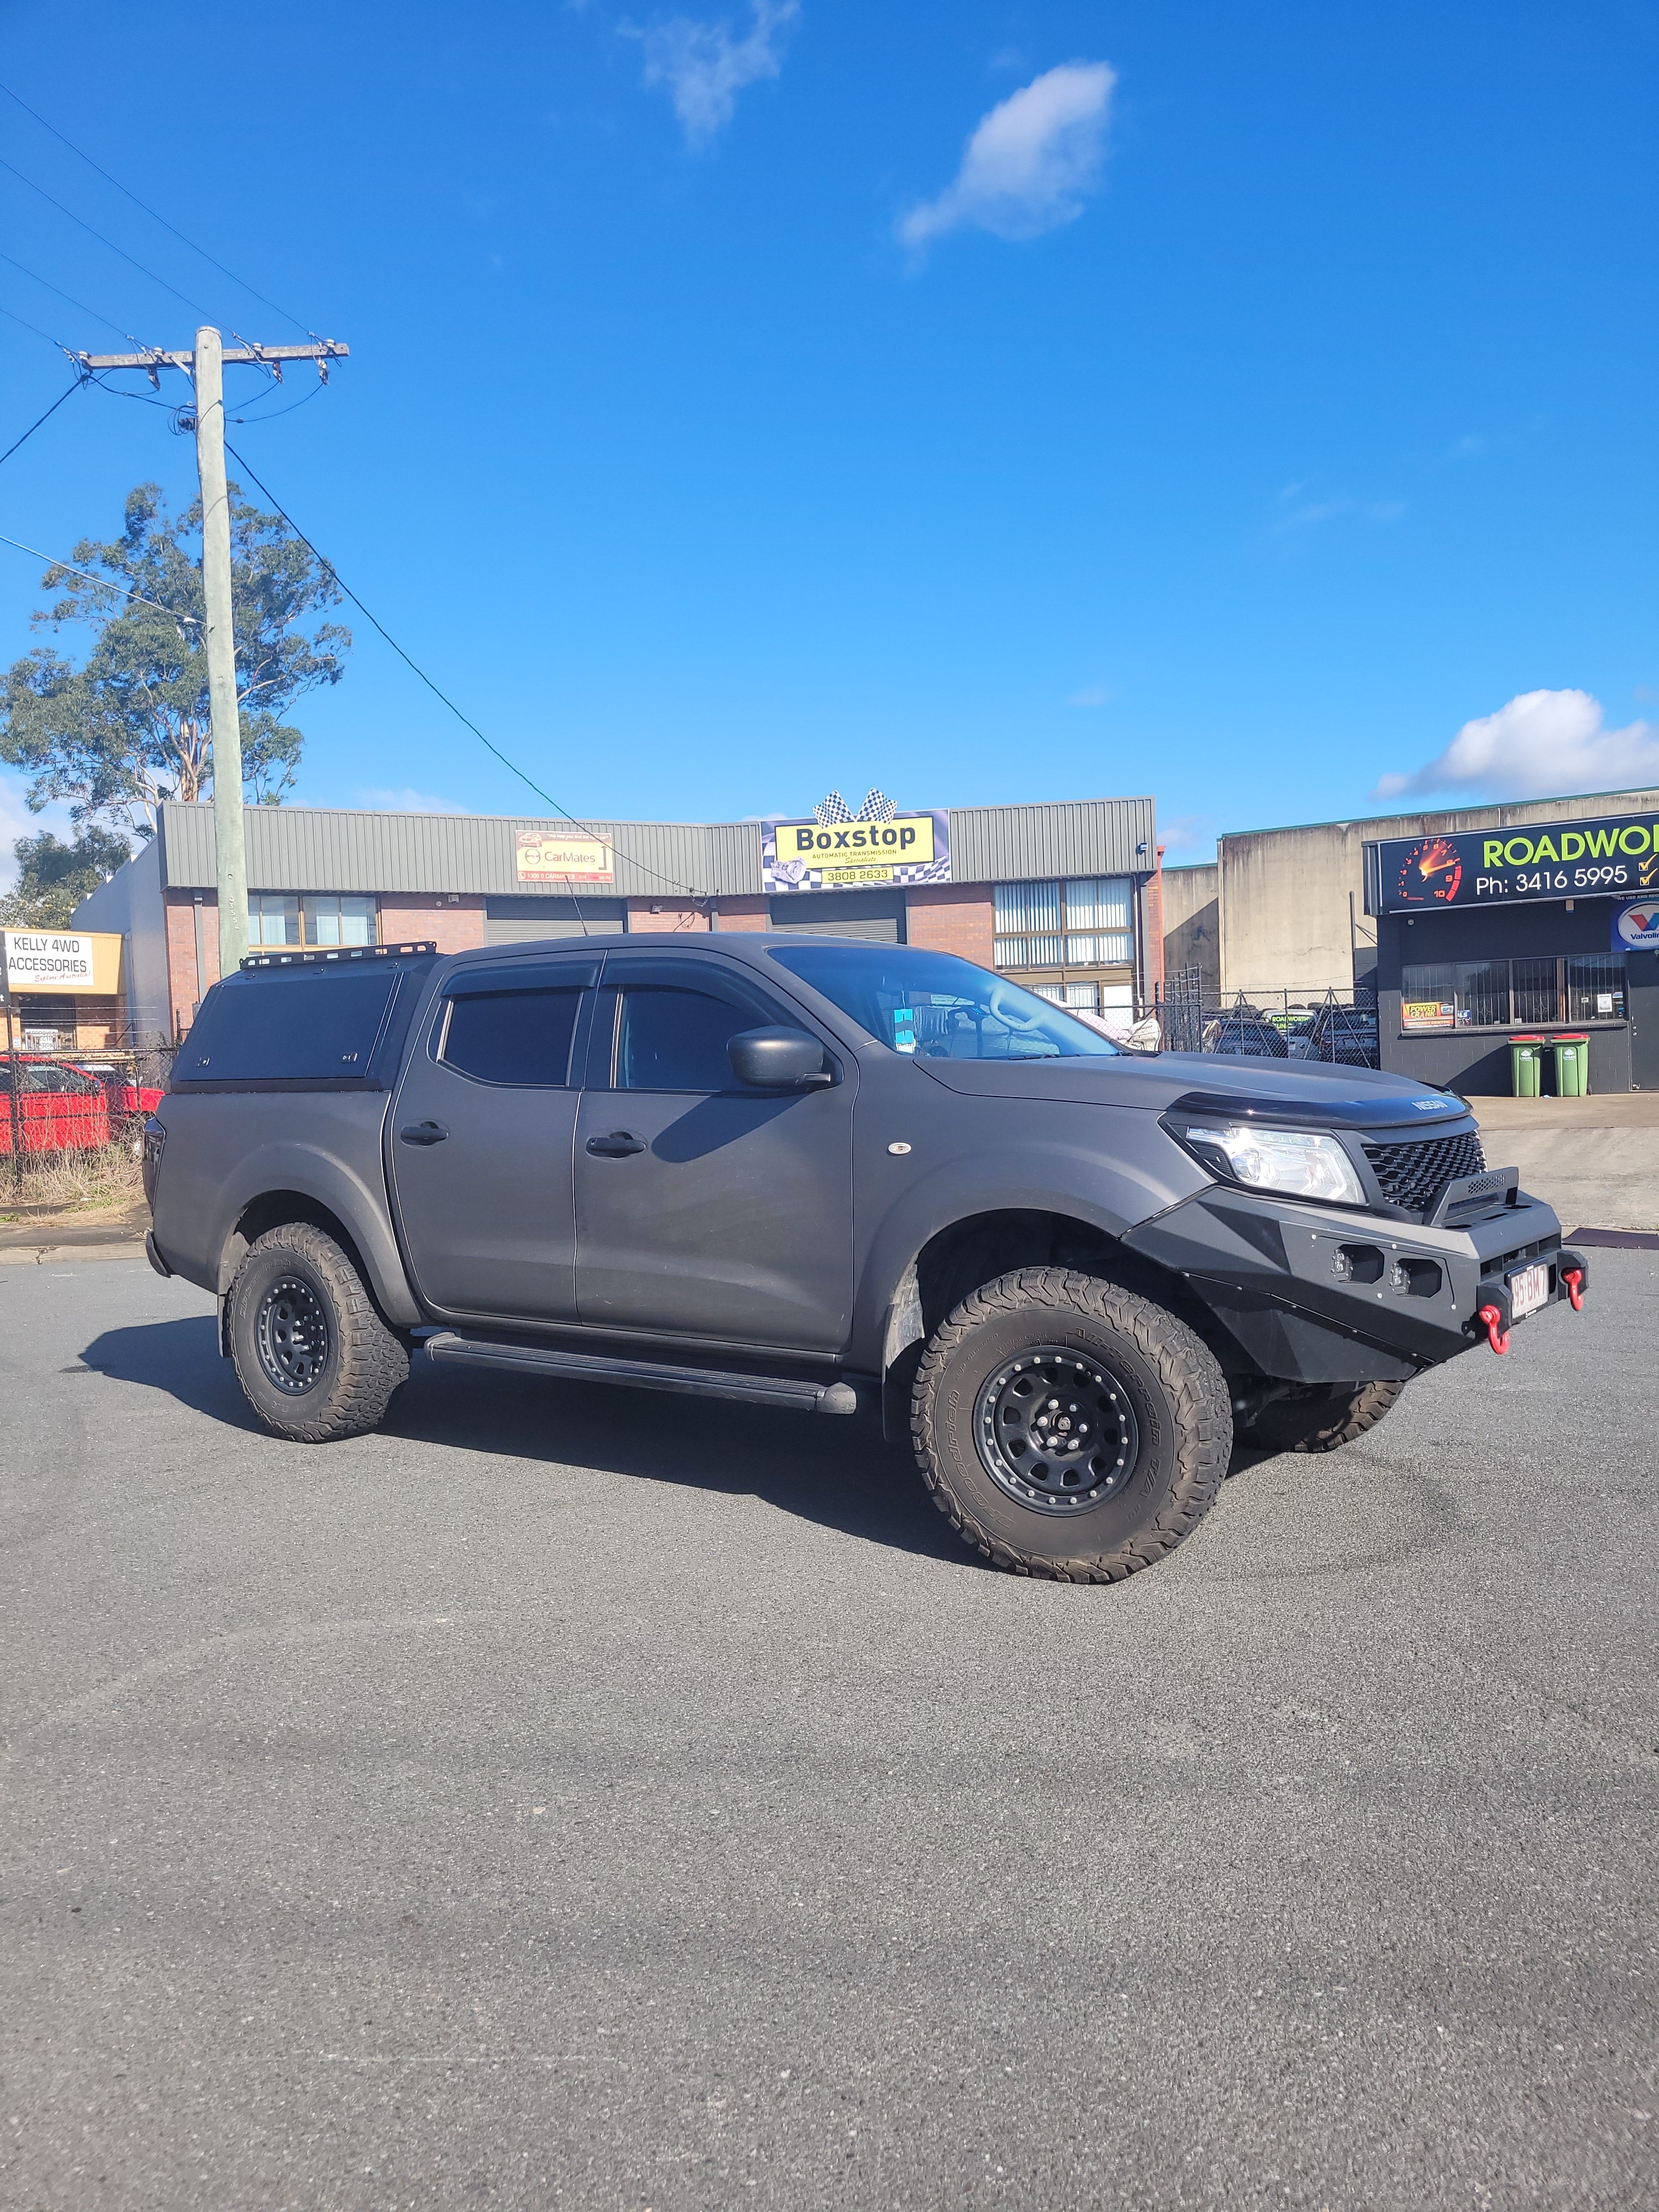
(1618,853)
(561,857)
(827,856)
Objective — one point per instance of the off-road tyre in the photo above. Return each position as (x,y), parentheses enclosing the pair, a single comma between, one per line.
(1177,1401)
(1320,1418)
(342,1386)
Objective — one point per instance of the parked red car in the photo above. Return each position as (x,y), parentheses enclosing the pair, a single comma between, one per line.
(60,1109)
(126,1100)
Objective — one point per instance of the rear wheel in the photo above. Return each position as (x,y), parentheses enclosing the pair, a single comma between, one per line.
(1067,1428)
(1320,1418)
(313,1356)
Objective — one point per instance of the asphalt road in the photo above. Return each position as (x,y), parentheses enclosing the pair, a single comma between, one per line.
(568,1798)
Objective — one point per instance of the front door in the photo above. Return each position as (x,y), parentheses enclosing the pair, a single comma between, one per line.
(1642,1003)
(481,1137)
(704,1209)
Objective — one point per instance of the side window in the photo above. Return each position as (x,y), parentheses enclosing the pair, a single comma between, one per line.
(521,1037)
(676,1041)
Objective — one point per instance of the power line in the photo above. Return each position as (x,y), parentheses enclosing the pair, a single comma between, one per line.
(39,332)
(104,583)
(35,425)
(110,242)
(35,277)
(151,212)
(466,720)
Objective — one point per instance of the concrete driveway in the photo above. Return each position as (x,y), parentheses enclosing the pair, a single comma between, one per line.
(571,1798)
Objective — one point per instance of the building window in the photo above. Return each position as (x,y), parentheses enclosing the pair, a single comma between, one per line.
(1531,994)
(310,918)
(273,918)
(338,920)
(1082,923)
(1596,987)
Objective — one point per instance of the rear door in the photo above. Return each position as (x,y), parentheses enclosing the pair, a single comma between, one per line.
(481,1137)
(704,1209)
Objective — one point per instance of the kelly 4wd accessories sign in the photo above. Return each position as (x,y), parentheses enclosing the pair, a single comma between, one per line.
(1618,854)
(831,855)
(47,960)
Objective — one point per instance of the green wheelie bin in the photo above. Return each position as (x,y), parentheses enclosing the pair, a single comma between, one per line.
(1526,1067)
(1571,1064)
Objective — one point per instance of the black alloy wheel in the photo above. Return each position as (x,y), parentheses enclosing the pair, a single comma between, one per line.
(290,1334)
(1056,1429)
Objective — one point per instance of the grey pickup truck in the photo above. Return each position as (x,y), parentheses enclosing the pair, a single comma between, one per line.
(820,1173)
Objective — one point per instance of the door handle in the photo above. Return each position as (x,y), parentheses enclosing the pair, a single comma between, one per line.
(618,1145)
(423,1133)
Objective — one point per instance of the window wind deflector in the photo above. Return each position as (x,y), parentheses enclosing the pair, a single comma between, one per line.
(535,975)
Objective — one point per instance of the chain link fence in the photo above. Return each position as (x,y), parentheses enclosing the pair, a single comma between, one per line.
(71,1122)
(1268,1025)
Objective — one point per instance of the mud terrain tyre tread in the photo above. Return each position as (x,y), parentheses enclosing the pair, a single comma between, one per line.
(1321,1423)
(367,1362)
(1192,1381)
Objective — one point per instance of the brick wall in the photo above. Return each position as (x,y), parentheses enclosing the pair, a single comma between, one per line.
(411,918)
(1152,908)
(183,991)
(953,918)
(745,914)
(668,917)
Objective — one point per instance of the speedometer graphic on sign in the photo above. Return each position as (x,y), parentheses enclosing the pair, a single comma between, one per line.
(1431,870)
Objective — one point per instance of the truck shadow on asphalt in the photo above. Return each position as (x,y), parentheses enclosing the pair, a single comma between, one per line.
(833,1470)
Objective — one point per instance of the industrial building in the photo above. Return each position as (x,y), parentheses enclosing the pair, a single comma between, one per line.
(1063,897)
(1468,927)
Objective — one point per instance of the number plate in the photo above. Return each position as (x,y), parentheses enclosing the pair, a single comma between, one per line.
(1529,1288)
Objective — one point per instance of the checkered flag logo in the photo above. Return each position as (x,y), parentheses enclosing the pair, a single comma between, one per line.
(876,807)
(831,810)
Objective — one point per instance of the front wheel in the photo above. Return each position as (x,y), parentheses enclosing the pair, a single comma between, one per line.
(1067,1428)
(313,1357)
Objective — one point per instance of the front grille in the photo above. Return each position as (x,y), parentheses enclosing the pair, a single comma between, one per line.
(1412,1175)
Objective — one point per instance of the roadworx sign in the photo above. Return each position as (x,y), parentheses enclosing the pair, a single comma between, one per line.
(1494,867)
(839,850)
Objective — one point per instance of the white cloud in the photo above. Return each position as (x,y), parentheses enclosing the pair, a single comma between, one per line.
(1309,513)
(1029,164)
(705,67)
(1092,695)
(17,821)
(1188,833)
(1543,745)
(400,799)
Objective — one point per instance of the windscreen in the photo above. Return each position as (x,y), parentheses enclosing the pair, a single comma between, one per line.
(307,1025)
(937,1006)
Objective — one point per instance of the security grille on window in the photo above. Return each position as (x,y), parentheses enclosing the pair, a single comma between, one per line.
(1081,923)
(1529,994)
(319,918)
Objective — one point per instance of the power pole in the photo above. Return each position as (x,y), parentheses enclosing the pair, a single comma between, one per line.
(205,366)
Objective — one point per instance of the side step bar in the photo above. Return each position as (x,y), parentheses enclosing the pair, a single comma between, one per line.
(643,1374)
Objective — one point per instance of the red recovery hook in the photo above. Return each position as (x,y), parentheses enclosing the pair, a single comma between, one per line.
(1498,1338)
(1574,1279)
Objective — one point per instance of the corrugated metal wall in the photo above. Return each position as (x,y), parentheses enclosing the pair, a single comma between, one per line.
(324,850)
(1073,837)
(327,849)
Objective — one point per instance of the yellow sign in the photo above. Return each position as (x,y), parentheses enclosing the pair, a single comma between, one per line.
(541,859)
(1428,1014)
(804,856)
(63,961)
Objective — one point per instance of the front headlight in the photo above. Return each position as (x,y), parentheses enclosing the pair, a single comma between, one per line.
(1296,1163)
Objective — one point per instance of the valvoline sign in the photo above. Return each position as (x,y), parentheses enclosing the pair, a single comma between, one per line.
(1636,928)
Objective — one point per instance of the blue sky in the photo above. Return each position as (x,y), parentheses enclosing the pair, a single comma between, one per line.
(1263,399)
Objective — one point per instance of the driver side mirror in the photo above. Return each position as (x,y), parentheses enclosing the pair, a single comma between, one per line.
(778,1059)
